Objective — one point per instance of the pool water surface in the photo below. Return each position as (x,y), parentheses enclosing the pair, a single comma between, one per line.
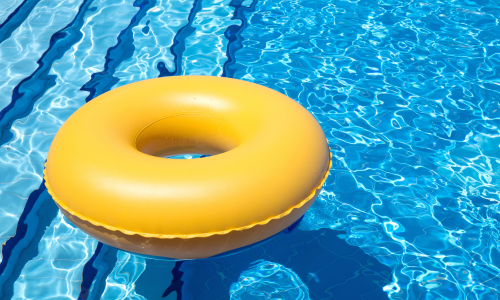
(407,93)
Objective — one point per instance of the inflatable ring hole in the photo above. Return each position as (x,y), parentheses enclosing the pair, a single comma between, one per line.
(192,134)
(186,156)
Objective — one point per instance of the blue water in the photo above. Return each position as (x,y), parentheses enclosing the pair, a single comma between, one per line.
(407,93)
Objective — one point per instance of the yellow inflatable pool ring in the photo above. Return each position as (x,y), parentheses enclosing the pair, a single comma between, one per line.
(106,168)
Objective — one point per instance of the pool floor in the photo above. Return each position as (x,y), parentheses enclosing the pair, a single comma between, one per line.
(407,93)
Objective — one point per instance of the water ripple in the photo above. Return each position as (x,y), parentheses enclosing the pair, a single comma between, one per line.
(205,52)
(153,38)
(57,269)
(27,42)
(120,284)
(8,8)
(27,152)
(179,43)
(16,18)
(103,81)
(267,280)
(406,92)
(18,179)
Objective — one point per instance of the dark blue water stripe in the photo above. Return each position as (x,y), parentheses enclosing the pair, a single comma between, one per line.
(22,227)
(233,35)
(177,282)
(30,89)
(16,18)
(89,274)
(97,267)
(179,45)
(37,215)
(104,263)
(103,81)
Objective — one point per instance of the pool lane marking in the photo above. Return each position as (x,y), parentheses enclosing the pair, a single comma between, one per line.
(29,90)
(63,39)
(233,34)
(23,246)
(98,267)
(16,18)
(124,49)
(179,45)
(98,84)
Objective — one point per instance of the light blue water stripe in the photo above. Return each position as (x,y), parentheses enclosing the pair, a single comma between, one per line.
(35,132)
(153,41)
(102,82)
(211,40)
(23,158)
(38,214)
(56,273)
(178,13)
(103,264)
(120,283)
(20,176)
(22,50)
(7,7)
(67,97)
(205,52)
(16,19)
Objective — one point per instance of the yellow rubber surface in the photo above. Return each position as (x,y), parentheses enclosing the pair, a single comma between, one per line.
(102,168)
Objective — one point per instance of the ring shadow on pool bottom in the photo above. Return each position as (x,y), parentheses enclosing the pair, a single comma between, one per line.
(327,265)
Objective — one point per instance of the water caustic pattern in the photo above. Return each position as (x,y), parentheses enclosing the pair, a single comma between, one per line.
(267,280)
(6,8)
(407,93)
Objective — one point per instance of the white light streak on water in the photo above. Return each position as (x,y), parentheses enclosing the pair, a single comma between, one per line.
(206,48)
(7,7)
(153,47)
(120,284)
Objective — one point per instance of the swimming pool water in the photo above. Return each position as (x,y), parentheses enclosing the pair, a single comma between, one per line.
(407,93)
